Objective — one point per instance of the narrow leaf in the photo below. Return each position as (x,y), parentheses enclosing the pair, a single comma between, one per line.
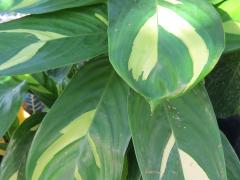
(232,161)
(11,98)
(179,140)
(13,165)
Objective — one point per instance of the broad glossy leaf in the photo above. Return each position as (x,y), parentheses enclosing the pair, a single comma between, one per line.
(11,98)
(13,164)
(223,86)
(42,6)
(231,159)
(41,42)
(179,140)
(87,127)
(161,48)
(229,11)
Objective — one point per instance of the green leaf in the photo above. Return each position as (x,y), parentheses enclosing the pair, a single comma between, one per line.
(41,85)
(229,11)
(13,164)
(178,140)
(216,1)
(232,161)
(161,48)
(42,6)
(41,42)
(223,86)
(11,98)
(87,127)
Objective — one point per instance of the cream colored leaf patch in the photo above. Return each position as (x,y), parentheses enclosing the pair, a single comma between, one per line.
(144,55)
(77,129)
(191,169)
(166,154)
(184,31)
(23,56)
(77,174)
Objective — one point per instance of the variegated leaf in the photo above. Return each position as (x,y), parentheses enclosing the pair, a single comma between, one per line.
(11,98)
(229,11)
(163,47)
(42,6)
(179,139)
(40,42)
(85,134)
(13,165)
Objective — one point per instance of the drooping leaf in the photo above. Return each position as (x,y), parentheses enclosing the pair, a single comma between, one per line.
(13,165)
(11,98)
(161,48)
(231,159)
(229,11)
(87,127)
(41,42)
(42,6)
(179,139)
(223,86)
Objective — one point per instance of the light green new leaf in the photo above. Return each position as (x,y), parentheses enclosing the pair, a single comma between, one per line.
(179,140)
(13,164)
(85,134)
(230,13)
(223,86)
(231,159)
(40,42)
(42,6)
(162,47)
(11,98)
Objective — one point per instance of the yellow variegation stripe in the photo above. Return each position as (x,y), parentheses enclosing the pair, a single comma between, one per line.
(23,56)
(41,35)
(146,42)
(182,29)
(73,132)
(232,27)
(24,3)
(94,151)
(14,176)
(166,154)
(144,55)
(191,169)
(101,18)
(77,174)
(30,51)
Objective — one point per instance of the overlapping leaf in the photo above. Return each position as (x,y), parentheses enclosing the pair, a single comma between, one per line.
(229,11)
(40,42)
(161,48)
(231,159)
(11,98)
(223,86)
(42,6)
(85,134)
(179,140)
(13,165)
